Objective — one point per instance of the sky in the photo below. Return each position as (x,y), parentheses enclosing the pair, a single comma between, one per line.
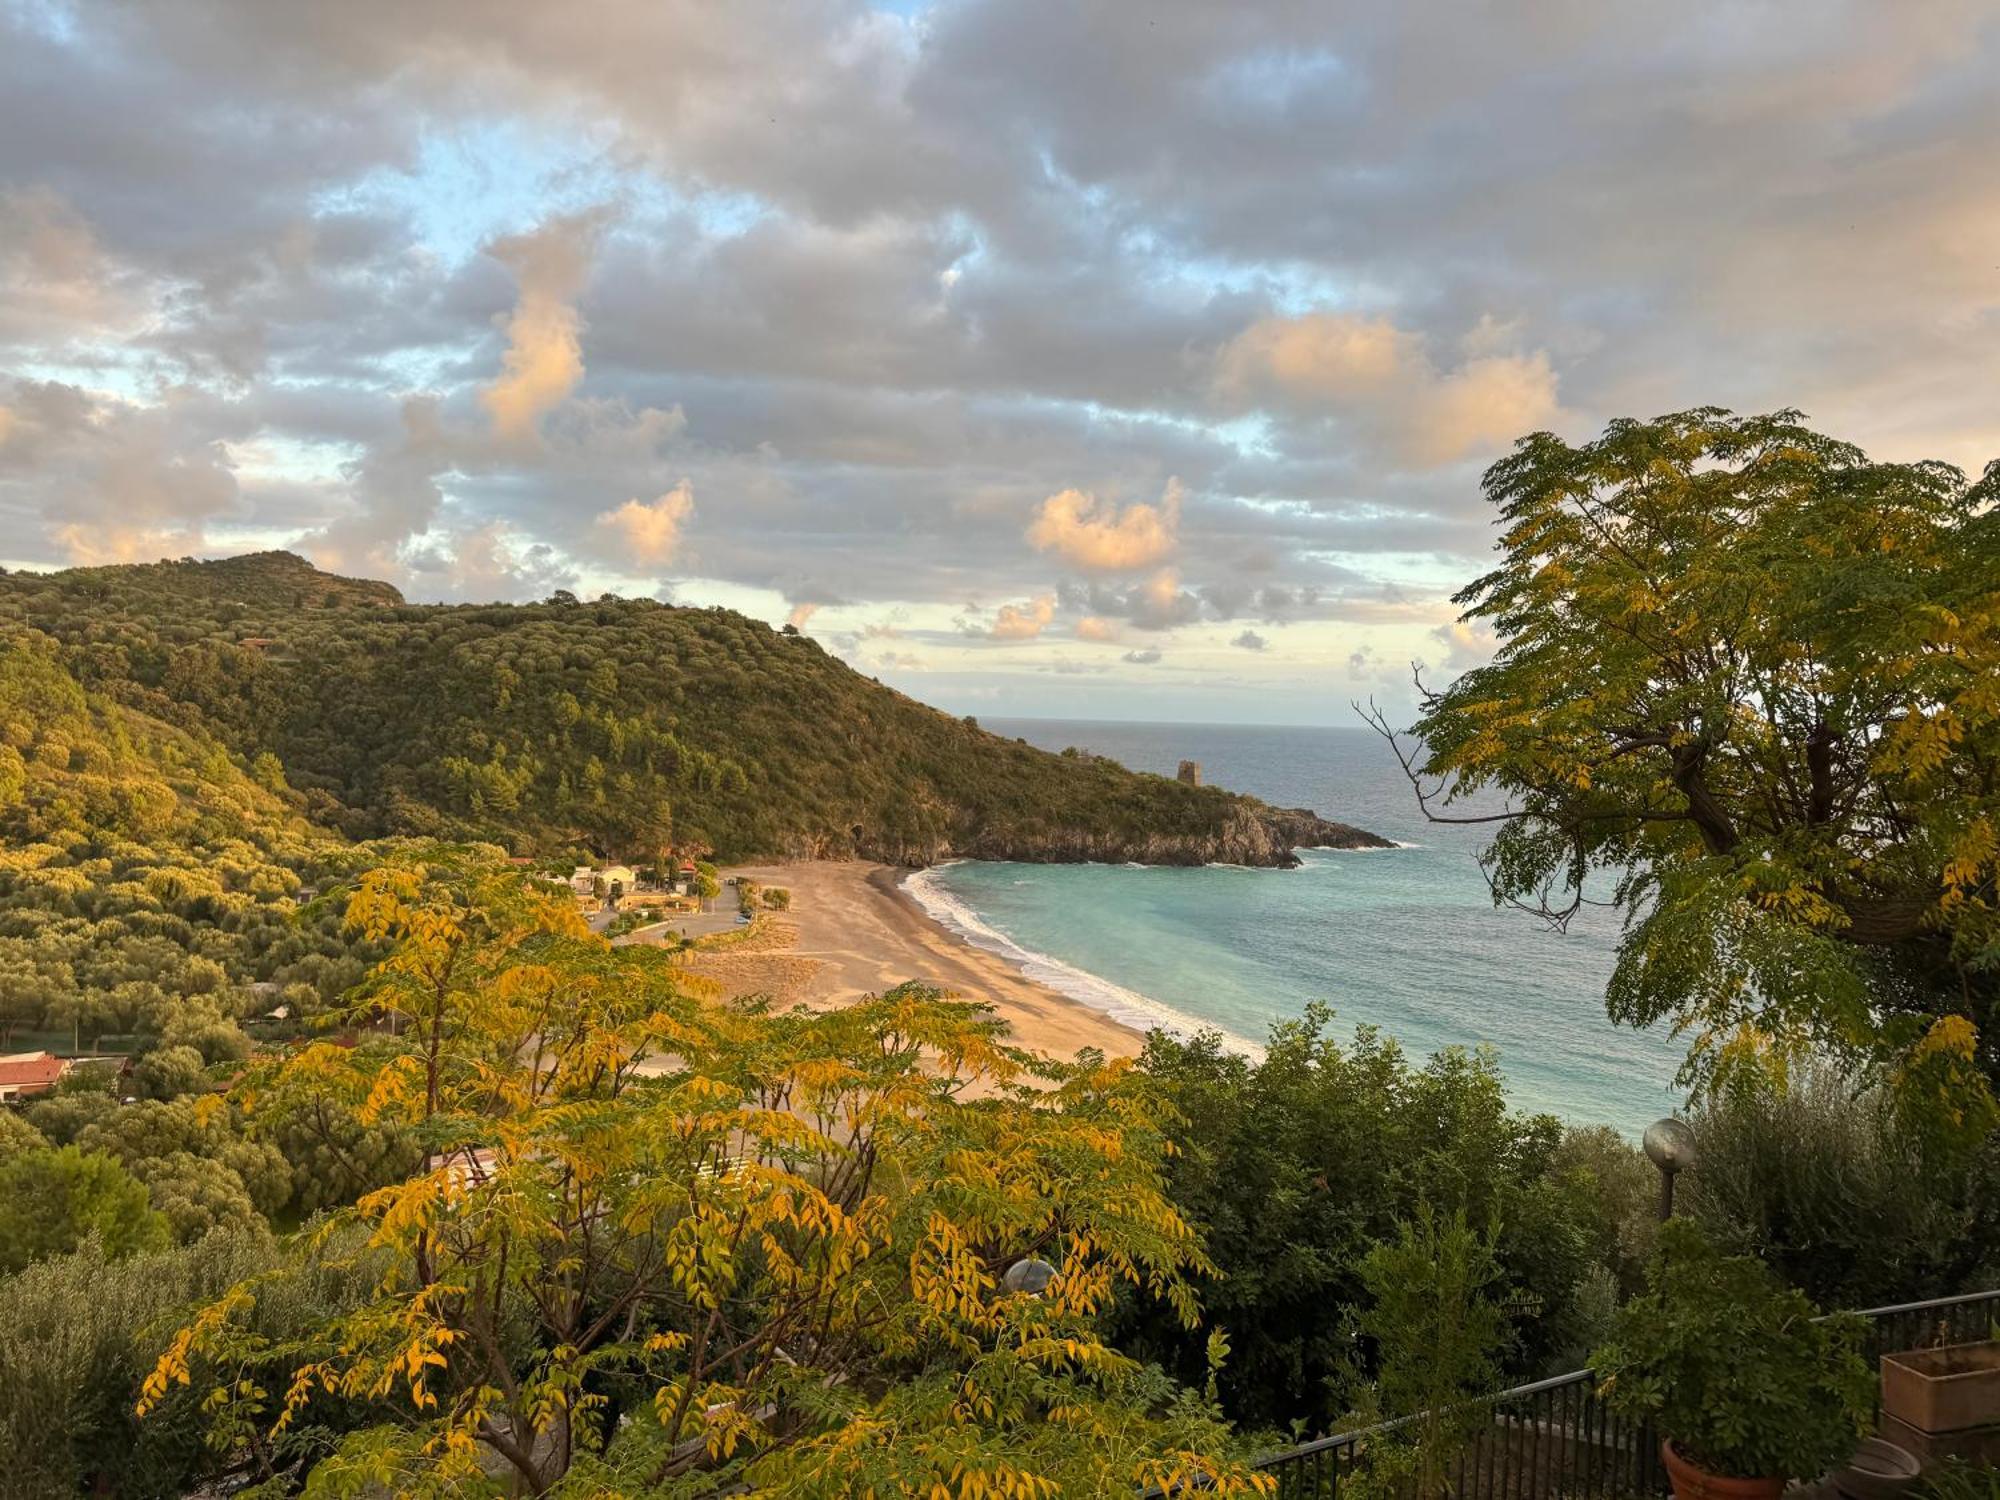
(1045,357)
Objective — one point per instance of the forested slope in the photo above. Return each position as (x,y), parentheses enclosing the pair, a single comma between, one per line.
(623,725)
(145,878)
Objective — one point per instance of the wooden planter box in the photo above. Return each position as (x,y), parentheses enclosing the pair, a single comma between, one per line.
(1943,1390)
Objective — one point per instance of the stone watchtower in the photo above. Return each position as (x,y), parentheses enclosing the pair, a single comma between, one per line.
(1190,772)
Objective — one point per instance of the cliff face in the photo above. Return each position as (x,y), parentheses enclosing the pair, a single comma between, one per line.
(1250,834)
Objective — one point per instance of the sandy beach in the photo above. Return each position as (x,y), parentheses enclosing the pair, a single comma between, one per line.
(852,932)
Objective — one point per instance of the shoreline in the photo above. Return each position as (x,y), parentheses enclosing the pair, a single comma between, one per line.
(853,930)
(1093,991)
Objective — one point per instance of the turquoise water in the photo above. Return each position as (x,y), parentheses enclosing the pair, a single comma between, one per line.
(1404,939)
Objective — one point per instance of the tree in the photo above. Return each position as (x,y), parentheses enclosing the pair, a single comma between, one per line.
(168,1072)
(17,1135)
(196,1195)
(52,1201)
(667,1244)
(201,1131)
(1296,1166)
(1753,678)
(1438,1333)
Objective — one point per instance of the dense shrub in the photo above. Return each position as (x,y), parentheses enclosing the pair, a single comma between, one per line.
(1735,1368)
(52,1201)
(1299,1166)
(78,1333)
(1833,1189)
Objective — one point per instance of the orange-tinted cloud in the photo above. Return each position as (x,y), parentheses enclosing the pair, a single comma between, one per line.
(1096,628)
(648,532)
(1382,380)
(544,358)
(1081,529)
(1023,622)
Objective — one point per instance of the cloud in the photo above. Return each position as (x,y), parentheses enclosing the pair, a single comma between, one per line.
(1380,380)
(55,280)
(393,494)
(1314,262)
(485,564)
(109,480)
(1098,536)
(543,361)
(1023,622)
(649,533)
(1465,646)
(1160,603)
(1096,628)
(1249,640)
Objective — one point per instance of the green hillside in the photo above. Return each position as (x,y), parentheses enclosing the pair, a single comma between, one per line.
(145,877)
(623,725)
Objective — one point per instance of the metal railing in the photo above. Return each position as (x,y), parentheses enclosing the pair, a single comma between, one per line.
(1555,1437)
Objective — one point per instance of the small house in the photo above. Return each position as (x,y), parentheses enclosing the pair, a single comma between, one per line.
(23,1075)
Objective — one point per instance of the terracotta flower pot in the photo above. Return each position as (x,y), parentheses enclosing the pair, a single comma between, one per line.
(1693,1483)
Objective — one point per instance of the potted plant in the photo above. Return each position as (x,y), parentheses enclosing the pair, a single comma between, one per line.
(1748,1389)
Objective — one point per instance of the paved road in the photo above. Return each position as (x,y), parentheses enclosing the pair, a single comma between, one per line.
(694,925)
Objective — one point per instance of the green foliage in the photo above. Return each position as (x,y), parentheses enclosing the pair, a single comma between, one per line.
(1733,1366)
(777,898)
(196,1195)
(238,1172)
(168,1073)
(1438,1335)
(17,1135)
(78,1334)
(1959,1479)
(625,724)
(1755,678)
(51,1201)
(1298,1166)
(1618,1192)
(1830,1184)
(145,882)
(775,1259)
(78,1102)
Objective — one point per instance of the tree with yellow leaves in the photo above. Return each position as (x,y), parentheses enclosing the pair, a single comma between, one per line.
(663,1245)
(1756,678)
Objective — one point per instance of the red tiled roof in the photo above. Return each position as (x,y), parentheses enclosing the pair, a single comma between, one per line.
(31,1070)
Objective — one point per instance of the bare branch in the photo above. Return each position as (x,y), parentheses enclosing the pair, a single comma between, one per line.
(1375,719)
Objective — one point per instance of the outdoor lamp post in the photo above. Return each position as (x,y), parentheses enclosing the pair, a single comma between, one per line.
(1669,1145)
(1029,1276)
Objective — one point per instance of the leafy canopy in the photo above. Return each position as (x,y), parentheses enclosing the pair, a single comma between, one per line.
(1755,677)
(52,1201)
(668,1245)
(1734,1368)
(1297,1167)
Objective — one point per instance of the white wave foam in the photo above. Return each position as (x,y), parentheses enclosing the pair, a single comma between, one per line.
(1141,1012)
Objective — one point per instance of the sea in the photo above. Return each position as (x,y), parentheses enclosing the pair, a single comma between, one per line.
(1406,940)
